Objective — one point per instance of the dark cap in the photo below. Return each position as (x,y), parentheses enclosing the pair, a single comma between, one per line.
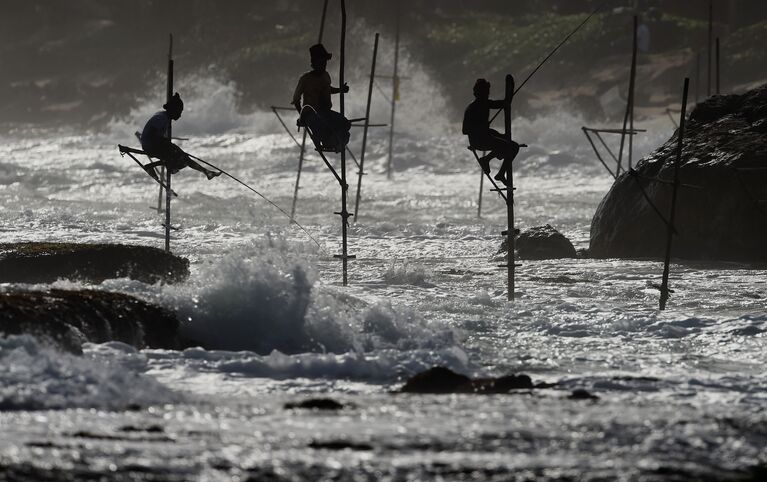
(318,52)
(175,102)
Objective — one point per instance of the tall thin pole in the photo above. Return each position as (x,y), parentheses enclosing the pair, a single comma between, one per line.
(365,130)
(697,78)
(633,91)
(168,175)
(718,71)
(710,41)
(303,140)
(510,241)
(481,188)
(664,289)
(394,94)
(344,187)
(629,104)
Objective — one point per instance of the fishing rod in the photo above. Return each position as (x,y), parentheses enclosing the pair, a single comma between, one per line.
(262,197)
(551,54)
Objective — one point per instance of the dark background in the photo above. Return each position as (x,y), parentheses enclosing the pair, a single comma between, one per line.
(81,62)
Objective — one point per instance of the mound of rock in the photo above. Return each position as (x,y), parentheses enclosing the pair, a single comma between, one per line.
(94,263)
(721,213)
(443,380)
(67,319)
(541,242)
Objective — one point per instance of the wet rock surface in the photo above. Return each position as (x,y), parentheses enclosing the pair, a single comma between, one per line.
(541,242)
(719,215)
(67,319)
(439,380)
(94,263)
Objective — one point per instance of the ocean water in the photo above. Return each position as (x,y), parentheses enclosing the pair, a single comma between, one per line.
(681,392)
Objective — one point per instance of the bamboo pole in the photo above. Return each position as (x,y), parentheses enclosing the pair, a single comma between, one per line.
(394,94)
(481,188)
(718,71)
(630,102)
(664,289)
(303,140)
(365,130)
(168,175)
(344,186)
(510,241)
(697,78)
(710,41)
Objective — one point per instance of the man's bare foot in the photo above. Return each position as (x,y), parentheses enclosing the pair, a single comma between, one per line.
(500,177)
(484,162)
(212,174)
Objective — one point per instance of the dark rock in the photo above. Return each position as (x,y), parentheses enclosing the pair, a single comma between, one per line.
(94,263)
(723,219)
(339,445)
(67,319)
(315,404)
(582,394)
(544,242)
(436,380)
(439,380)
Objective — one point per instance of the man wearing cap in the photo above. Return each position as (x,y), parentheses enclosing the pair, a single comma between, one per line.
(328,126)
(476,125)
(155,142)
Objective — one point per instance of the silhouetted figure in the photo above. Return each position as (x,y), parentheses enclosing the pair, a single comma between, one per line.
(476,125)
(328,127)
(155,142)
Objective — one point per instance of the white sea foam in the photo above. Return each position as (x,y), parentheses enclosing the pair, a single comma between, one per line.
(36,377)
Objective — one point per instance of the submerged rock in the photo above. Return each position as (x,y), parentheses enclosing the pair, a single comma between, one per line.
(541,242)
(443,380)
(94,263)
(719,215)
(67,319)
(315,404)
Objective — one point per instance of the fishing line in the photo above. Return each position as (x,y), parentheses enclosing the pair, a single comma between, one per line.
(551,54)
(292,221)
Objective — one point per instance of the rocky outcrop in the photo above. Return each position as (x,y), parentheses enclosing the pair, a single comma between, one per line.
(443,380)
(94,263)
(719,215)
(541,242)
(67,319)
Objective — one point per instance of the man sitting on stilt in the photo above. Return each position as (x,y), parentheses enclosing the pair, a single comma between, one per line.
(329,128)
(476,125)
(155,142)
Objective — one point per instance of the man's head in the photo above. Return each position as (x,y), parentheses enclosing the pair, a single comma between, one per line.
(174,107)
(319,56)
(481,89)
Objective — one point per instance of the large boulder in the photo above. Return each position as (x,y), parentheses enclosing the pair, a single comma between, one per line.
(719,215)
(67,319)
(94,263)
(541,242)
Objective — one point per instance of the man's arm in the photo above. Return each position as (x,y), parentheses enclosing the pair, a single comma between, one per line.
(336,90)
(495,104)
(297,94)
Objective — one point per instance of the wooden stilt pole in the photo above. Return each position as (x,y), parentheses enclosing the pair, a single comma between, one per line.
(664,289)
(718,71)
(365,131)
(510,241)
(303,140)
(481,188)
(697,78)
(344,186)
(710,42)
(394,95)
(629,104)
(168,175)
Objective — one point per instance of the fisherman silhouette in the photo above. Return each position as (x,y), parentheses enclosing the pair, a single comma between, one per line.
(155,142)
(476,125)
(327,126)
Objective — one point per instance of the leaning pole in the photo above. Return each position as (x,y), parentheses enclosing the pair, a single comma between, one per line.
(168,191)
(365,131)
(344,186)
(664,289)
(510,241)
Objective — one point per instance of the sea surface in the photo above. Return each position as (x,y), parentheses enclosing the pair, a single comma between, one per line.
(681,392)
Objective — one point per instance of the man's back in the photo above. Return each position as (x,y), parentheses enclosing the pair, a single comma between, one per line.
(155,131)
(314,86)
